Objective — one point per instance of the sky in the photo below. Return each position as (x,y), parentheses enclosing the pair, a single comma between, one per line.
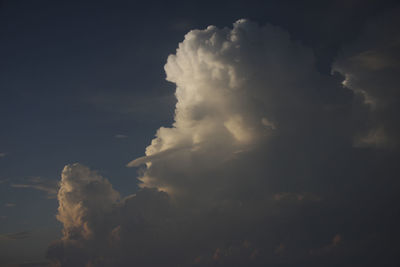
(199,133)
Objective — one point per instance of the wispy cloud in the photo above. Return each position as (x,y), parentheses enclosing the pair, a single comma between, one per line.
(337,240)
(16,235)
(134,105)
(120,136)
(9,205)
(37,183)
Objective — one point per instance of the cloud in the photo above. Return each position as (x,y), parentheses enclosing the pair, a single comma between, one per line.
(83,194)
(261,142)
(50,187)
(120,136)
(31,264)
(16,235)
(2,155)
(9,205)
(336,241)
(133,105)
(370,66)
(2,181)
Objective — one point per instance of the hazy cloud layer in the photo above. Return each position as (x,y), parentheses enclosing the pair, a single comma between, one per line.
(259,168)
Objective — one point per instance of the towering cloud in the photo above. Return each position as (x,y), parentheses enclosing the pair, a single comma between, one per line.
(261,142)
(237,89)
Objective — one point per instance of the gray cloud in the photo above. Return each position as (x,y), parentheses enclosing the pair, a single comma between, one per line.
(371,66)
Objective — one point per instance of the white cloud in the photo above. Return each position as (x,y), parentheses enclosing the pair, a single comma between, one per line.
(237,89)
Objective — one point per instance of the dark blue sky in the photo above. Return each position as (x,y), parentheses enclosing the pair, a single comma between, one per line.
(74,74)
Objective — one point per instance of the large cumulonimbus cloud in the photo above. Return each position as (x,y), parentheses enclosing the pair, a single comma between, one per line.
(237,89)
(260,144)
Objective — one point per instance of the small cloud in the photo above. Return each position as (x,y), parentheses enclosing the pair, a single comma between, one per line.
(287,196)
(9,205)
(279,249)
(120,136)
(197,260)
(16,236)
(254,254)
(2,181)
(133,105)
(37,183)
(182,25)
(336,241)
(33,264)
(217,254)
(2,154)
(376,137)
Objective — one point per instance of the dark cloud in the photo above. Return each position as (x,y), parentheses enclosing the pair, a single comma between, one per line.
(371,66)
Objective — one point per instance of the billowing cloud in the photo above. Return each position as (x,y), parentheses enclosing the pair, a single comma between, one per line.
(259,145)
(83,196)
(371,67)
